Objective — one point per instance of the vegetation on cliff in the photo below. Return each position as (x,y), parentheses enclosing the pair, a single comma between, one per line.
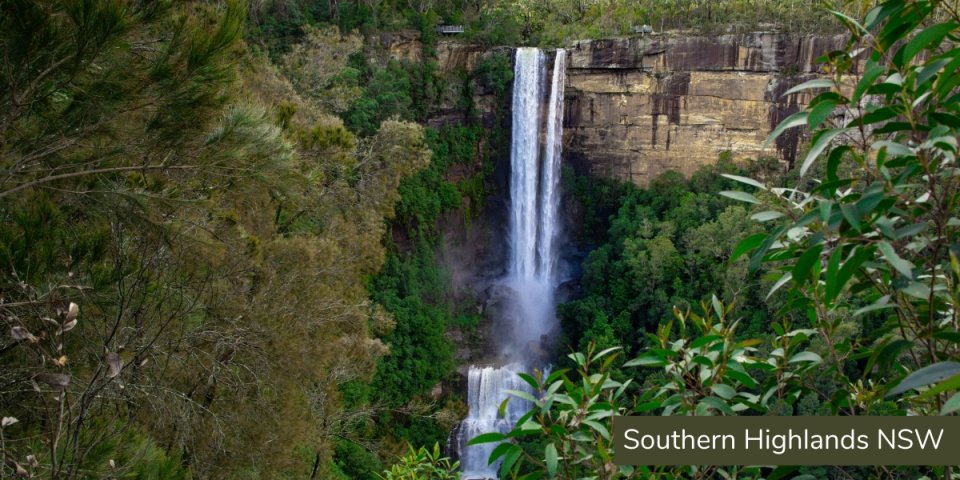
(663,246)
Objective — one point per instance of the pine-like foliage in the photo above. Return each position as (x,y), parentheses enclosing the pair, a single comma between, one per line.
(183,243)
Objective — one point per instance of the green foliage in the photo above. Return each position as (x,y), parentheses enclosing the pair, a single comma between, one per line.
(733,375)
(659,247)
(600,199)
(387,95)
(354,461)
(422,464)
(412,289)
(404,91)
(318,67)
(703,368)
(279,24)
(496,26)
(558,22)
(412,286)
(217,252)
(495,73)
(873,242)
(426,196)
(134,454)
(71,84)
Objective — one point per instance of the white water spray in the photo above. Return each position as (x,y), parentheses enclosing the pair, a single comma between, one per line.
(532,272)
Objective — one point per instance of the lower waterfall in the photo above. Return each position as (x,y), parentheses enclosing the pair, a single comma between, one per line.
(485,387)
(532,270)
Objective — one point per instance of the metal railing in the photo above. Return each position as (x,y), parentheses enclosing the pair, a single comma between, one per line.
(450,29)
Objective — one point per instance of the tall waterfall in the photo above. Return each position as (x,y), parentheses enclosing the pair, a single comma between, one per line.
(550,183)
(532,269)
(524,156)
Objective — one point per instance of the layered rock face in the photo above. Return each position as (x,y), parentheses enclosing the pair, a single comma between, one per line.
(638,107)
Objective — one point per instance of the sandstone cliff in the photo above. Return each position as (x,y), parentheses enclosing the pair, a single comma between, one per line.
(638,107)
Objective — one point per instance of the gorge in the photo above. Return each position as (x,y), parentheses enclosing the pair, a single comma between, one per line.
(704,98)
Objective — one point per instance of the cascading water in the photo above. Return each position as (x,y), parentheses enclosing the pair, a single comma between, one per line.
(532,271)
(550,183)
(524,153)
(486,387)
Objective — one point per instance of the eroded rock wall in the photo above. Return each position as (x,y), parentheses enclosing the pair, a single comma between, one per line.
(638,107)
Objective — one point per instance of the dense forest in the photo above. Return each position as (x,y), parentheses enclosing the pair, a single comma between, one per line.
(221,222)
(552,22)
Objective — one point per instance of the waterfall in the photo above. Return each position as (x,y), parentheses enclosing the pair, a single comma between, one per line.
(524,156)
(485,393)
(532,270)
(550,185)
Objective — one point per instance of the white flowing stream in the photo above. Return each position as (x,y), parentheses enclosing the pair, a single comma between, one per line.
(532,269)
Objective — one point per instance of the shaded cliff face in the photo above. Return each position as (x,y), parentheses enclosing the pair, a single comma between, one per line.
(638,107)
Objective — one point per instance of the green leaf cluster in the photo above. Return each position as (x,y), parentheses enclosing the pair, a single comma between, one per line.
(654,248)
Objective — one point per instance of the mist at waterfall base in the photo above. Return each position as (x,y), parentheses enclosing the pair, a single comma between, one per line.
(527,318)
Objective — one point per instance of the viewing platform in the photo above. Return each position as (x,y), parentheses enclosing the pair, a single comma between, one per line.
(450,29)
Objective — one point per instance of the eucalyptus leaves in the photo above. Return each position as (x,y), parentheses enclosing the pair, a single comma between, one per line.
(871,241)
